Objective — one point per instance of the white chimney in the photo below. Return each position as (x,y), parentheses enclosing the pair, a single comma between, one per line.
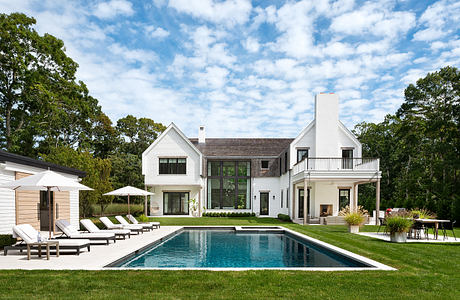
(201,135)
(326,123)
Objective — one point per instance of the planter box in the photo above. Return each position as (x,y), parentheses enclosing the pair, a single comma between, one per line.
(398,237)
(353,228)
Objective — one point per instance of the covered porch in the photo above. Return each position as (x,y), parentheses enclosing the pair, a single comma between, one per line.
(326,197)
(174,200)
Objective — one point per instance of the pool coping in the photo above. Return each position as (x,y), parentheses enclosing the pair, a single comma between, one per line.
(374,265)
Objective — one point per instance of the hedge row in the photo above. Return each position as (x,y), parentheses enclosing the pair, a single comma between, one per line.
(228,214)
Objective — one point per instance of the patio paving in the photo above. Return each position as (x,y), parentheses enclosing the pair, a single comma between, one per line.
(96,259)
(386,237)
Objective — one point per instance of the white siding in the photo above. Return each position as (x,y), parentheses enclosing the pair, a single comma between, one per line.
(172,145)
(305,141)
(7,204)
(74,208)
(272,186)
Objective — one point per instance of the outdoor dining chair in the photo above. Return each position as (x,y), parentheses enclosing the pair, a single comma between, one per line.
(448,226)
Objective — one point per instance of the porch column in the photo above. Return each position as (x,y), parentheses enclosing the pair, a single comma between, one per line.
(305,208)
(377,202)
(293,201)
(199,202)
(354,207)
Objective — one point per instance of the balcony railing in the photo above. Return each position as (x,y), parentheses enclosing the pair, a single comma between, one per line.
(336,164)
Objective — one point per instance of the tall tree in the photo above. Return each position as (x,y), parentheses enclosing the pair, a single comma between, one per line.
(40,100)
(136,134)
(419,146)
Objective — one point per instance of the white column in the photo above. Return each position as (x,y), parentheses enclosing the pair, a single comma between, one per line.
(377,202)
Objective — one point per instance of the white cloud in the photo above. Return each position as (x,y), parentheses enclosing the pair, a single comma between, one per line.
(251,44)
(214,77)
(375,19)
(440,19)
(110,9)
(156,32)
(230,12)
(133,55)
(338,49)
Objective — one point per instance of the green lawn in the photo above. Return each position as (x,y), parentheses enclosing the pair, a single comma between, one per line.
(425,271)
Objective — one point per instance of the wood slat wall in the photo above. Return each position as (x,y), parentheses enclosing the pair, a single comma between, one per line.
(27,205)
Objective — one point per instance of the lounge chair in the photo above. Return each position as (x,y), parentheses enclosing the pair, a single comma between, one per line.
(135,221)
(29,235)
(109,225)
(130,226)
(73,233)
(91,227)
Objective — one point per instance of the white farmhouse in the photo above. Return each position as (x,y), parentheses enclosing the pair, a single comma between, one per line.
(310,177)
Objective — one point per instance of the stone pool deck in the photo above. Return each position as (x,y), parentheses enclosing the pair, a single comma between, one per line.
(386,237)
(99,256)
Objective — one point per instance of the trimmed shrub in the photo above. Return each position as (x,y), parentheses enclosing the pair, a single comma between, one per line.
(6,240)
(284,217)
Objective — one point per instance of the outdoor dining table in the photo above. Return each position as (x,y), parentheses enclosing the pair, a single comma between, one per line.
(432,221)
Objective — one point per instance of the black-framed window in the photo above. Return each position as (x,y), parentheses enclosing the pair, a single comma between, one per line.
(344,198)
(229,185)
(264,164)
(175,203)
(301,154)
(173,166)
(281,192)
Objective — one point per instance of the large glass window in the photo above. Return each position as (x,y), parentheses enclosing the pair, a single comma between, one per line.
(175,203)
(173,166)
(229,184)
(214,193)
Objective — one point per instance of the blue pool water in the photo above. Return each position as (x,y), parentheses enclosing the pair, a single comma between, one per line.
(230,249)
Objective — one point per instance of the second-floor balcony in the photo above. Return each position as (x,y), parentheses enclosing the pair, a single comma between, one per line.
(337,164)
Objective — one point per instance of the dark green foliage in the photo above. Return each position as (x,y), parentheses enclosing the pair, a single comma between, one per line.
(419,148)
(284,217)
(6,240)
(228,214)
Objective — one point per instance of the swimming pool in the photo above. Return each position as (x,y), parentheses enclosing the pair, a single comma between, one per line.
(230,248)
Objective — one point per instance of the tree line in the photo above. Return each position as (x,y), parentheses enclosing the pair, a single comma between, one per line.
(46,113)
(419,148)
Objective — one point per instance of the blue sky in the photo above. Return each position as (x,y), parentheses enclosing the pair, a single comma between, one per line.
(245,68)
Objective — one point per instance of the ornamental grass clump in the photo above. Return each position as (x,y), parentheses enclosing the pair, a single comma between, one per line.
(354,219)
(399,224)
(417,213)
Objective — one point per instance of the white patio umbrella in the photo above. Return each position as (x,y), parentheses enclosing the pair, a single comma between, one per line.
(46,181)
(128,191)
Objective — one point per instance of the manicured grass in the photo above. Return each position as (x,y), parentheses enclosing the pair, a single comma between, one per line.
(425,271)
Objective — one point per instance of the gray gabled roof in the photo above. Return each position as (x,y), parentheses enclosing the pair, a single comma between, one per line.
(24,160)
(242,147)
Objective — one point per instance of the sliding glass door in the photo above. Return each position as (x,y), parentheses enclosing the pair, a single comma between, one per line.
(175,203)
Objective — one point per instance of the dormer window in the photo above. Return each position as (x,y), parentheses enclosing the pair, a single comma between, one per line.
(264,164)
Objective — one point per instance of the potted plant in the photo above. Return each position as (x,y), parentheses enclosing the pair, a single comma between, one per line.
(354,221)
(193,207)
(398,226)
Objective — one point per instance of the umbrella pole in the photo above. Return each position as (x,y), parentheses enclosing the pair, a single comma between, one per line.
(49,210)
(128,206)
